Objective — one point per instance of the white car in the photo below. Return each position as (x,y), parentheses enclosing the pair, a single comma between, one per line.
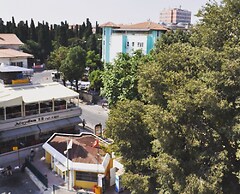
(84,85)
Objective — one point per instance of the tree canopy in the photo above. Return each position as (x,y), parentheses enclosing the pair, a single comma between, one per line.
(188,109)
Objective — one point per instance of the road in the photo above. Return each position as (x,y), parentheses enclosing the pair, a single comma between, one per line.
(93,114)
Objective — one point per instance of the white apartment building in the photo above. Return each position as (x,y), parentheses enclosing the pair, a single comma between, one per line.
(129,38)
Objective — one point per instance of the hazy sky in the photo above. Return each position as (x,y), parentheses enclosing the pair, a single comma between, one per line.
(76,11)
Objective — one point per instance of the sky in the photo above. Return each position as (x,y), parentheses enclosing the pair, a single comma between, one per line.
(102,11)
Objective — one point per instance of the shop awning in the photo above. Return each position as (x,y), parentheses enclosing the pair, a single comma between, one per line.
(20,132)
(63,123)
(60,167)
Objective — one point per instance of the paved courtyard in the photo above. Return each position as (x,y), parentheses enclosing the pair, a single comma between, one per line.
(17,183)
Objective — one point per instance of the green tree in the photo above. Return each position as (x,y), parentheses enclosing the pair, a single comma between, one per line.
(192,97)
(74,65)
(33,48)
(132,141)
(120,78)
(57,58)
(93,61)
(95,80)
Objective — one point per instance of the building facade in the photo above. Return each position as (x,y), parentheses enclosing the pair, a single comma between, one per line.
(10,53)
(175,16)
(80,160)
(31,113)
(129,38)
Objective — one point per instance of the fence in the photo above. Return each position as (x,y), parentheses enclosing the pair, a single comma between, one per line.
(37,173)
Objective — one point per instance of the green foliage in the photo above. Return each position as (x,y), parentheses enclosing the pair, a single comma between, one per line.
(57,58)
(126,120)
(54,36)
(32,47)
(93,61)
(120,78)
(190,88)
(96,80)
(137,183)
(73,66)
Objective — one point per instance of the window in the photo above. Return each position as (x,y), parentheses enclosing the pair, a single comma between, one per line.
(31,109)
(46,106)
(127,44)
(20,64)
(86,176)
(132,43)
(140,44)
(13,112)
(1,114)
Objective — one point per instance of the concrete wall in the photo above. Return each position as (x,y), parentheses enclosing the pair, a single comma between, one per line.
(14,156)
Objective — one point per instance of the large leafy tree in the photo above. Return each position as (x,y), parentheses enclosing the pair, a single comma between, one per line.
(74,65)
(191,95)
(120,78)
(132,142)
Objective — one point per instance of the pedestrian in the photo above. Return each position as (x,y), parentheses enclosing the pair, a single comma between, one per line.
(32,154)
(83,123)
(9,170)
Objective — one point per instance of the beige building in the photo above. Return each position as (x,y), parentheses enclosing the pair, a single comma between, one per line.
(175,16)
(10,53)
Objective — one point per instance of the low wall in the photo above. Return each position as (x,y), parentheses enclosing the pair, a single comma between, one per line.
(15,157)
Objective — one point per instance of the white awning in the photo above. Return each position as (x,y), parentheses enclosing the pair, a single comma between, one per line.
(38,93)
(60,167)
(10,100)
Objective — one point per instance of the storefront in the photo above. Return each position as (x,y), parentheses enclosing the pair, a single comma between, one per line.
(30,114)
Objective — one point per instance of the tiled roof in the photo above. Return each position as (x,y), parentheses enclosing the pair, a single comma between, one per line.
(11,53)
(139,26)
(109,24)
(145,25)
(9,39)
(82,148)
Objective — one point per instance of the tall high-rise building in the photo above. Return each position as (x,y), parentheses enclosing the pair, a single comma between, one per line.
(175,16)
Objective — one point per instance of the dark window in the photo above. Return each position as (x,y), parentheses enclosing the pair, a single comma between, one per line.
(1,114)
(13,112)
(31,109)
(86,176)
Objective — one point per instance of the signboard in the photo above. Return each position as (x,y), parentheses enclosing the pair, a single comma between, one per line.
(15,148)
(98,129)
(36,120)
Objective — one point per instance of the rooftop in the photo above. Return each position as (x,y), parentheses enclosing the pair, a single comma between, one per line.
(139,26)
(30,93)
(9,39)
(82,148)
(11,53)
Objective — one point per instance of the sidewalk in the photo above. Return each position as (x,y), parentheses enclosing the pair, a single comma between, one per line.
(44,168)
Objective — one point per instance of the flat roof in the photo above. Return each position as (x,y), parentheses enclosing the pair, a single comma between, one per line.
(36,93)
(83,156)
(82,148)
